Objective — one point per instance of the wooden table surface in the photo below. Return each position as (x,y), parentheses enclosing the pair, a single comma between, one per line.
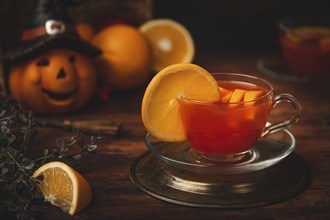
(115,197)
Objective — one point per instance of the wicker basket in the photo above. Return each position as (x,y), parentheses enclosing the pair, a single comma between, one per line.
(15,14)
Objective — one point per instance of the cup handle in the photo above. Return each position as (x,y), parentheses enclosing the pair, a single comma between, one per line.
(284,97)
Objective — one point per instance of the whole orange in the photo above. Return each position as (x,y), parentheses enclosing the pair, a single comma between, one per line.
(85,31)
(125,59)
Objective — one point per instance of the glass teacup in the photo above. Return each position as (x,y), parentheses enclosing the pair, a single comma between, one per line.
(305,44)
(225,131)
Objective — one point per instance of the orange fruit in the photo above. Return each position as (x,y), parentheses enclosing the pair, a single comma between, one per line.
(170,41)
(62,186)
(160,108)
(85,31)
(125,61)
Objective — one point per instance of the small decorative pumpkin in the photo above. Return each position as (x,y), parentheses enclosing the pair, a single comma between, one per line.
(52,69)
(58,81)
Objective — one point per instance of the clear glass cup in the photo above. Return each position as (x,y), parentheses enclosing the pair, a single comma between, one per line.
(225,132)
(305,44)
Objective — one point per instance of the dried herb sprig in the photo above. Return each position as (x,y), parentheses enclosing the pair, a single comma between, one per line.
(18,192)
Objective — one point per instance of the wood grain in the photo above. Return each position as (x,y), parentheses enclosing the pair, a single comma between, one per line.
(115,197)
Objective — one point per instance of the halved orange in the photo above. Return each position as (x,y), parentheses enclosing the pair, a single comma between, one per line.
(170,42)
(62,186)
(160,108)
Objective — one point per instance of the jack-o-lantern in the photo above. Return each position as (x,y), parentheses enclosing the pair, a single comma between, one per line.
(57,81)
(52,69)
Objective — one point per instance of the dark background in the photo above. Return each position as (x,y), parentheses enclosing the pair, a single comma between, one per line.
(218,26)
(215,25)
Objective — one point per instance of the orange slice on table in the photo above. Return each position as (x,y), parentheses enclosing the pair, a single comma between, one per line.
(160,108)
(62,186)
(170,43)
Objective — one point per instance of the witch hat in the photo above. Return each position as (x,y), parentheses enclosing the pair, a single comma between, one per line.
(50,27)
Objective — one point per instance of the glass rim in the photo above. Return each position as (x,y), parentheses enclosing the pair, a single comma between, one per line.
(268,93)
(288,23)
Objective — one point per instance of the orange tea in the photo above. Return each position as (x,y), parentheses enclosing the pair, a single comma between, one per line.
(232,125)
(225,128)
(307,49)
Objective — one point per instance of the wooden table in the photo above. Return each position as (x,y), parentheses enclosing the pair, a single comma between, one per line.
(115,197)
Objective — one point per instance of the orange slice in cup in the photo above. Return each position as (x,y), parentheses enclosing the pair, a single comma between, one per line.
(252,95)
(237,96)
(249,98)
(225,94)
(160,108)
(170,43)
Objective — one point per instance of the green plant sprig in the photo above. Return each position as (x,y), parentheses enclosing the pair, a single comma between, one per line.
(18,192)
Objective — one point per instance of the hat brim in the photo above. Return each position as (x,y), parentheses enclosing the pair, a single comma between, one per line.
(39,46)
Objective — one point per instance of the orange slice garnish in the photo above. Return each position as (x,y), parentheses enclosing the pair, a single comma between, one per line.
(160,108)
(237,96)
(225,94)
(251,95)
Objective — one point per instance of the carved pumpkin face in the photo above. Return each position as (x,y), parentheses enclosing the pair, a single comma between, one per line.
(58,81)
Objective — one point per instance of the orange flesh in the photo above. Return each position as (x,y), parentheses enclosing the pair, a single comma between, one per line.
(62,186)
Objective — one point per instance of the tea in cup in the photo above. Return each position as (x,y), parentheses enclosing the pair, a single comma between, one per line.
(227,129)
(305,44)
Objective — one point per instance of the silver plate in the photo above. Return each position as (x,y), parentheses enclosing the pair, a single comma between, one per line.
(166,181)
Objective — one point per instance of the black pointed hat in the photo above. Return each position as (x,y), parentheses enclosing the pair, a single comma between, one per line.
(50,27)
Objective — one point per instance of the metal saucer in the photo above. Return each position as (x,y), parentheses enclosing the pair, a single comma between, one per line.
(191,185)
(277,183)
